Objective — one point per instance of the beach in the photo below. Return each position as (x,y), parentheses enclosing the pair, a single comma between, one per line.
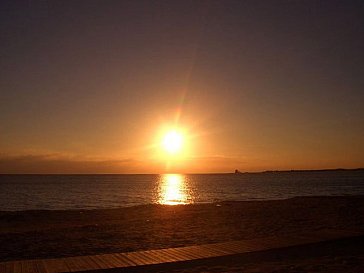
(51,234)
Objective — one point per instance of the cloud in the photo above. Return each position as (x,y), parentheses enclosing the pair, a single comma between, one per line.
(56,163)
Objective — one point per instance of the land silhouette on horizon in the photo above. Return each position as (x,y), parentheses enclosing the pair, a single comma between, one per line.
(235,172)
(302,170)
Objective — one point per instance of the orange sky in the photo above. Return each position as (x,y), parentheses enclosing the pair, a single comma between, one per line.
(254,85)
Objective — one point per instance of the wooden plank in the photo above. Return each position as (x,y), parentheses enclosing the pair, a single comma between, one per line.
(108,258)
(174,253)
(118,263)
(189,252)
(124,259)
(17,267)
(164,255)
(159,256)
(203,251)
(71,264)
(3,267)
(55,265)
(40,266)
(79,264)
(135,258)
(217,248)
(101,262)
(142,258)
(96,260)
(7,267)
(30,266)
(178,253)
(148,258)
(186,255)
(88,260)
(155,257)
(198,254)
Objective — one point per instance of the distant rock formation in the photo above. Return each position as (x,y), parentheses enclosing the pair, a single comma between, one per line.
(237,171)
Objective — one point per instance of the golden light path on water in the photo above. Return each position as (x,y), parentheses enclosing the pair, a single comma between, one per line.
(174,190)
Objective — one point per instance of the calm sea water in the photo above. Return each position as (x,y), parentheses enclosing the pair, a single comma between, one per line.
(53,192)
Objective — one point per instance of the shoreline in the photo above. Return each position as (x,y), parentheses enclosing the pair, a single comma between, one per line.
(53,234)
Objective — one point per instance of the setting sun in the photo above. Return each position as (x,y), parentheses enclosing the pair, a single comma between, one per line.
(172,142)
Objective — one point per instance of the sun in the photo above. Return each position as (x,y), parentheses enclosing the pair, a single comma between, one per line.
(172,142)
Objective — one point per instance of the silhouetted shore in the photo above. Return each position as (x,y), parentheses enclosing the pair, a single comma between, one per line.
(302,171)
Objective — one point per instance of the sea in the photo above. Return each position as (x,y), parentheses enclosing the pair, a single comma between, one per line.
(67,192)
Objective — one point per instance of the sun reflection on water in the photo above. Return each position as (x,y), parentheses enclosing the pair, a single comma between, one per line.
(173,190)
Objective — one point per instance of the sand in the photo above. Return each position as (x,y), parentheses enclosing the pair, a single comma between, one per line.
(49,234)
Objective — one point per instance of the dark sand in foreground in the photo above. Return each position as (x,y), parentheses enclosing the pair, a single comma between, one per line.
(48,234)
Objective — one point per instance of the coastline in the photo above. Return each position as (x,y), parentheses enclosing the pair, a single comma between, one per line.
(52,234)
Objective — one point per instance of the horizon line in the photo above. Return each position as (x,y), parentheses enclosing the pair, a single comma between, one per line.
(240,172)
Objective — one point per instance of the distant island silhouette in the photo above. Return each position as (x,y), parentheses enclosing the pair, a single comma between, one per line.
(299,171)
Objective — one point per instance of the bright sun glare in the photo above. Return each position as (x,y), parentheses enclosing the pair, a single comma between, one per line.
(172,142)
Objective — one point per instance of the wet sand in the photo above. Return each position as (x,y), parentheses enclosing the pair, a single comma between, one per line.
(49,234)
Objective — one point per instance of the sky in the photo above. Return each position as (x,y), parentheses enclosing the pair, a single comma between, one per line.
(92,86)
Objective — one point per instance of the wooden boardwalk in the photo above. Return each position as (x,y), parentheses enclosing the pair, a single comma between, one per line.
(120,261)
